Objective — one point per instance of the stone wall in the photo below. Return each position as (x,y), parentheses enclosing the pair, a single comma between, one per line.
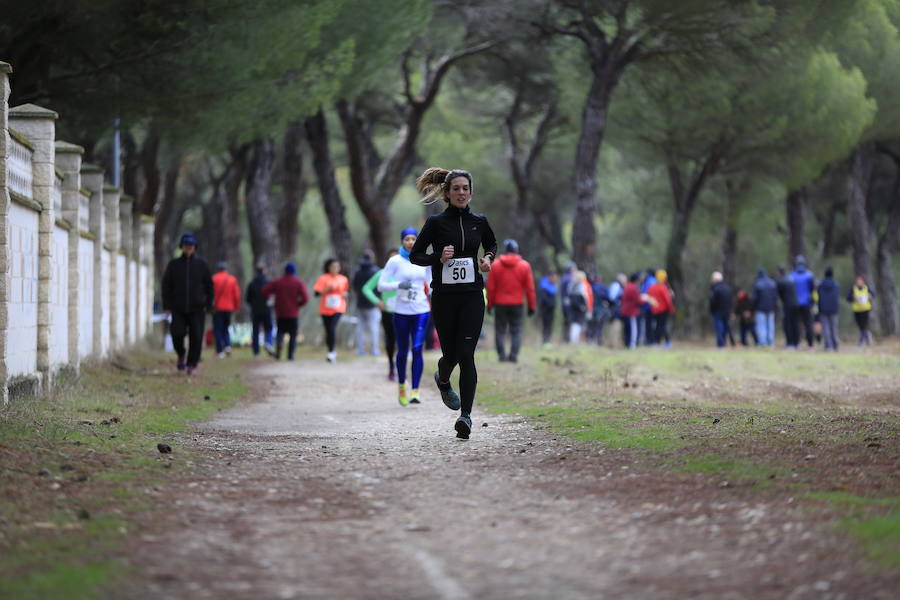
(75,261)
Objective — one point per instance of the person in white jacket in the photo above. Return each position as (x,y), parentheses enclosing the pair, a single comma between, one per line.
(410,312)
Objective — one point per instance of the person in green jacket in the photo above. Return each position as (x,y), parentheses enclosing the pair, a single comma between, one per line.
(385,303)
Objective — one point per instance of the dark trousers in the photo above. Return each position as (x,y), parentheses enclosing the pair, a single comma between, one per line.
(862,322)
(191,324)
(221,323)
(289,327)
(261,321)
(387,324)
(723,331)
(662,331)
(745,329)
(330,322)
(649,321)
(508,317)
(458,318)
(789,324)
(803,314)
(547,313)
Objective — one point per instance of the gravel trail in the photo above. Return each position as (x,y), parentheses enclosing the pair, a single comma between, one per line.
(326,488)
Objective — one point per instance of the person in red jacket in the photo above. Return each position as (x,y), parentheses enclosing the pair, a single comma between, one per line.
(226,300)
(290,294)
(661,306)
(630,308)
(511,283)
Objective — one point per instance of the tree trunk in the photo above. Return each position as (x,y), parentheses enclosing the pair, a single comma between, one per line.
(294,190)
(885,285)
(795,209)
(163,216)
(587,154)
(860,175)
(317,135)
(131,166)
(150,168)
(260,216)
(231,182)
(732,218)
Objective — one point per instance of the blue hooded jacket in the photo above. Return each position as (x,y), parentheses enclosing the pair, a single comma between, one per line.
(829,296)
(765,293)
(547,292)
(804,282)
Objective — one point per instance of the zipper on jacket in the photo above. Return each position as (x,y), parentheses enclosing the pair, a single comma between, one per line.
(187,282)
(462,232)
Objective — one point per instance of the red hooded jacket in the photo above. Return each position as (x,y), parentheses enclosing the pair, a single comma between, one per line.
(227,293)
(509,281)
(631,300)
(290,294)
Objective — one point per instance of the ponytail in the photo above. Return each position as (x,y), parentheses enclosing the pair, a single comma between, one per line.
(435,181)
(431,184)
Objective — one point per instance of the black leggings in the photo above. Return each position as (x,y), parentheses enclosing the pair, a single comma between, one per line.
(330,322)
(191,324)
(458,318)
(387,323)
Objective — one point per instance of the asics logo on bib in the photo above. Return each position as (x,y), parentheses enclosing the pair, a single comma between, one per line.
(458,270)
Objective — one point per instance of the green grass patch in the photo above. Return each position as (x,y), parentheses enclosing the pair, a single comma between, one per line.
(878,533)
(730,468)
(96,434)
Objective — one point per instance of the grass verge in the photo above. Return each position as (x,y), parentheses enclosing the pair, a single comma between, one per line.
(74,464)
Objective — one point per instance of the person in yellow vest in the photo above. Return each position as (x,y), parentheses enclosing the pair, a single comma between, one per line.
(860,299)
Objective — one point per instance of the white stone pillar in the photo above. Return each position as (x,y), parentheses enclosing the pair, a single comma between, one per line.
(38,124)
(68,160)
(112,242)
(92,180)
(126,245)
(5,70)
(148,226)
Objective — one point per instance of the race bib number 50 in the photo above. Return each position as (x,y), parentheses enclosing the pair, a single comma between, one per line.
(458,270)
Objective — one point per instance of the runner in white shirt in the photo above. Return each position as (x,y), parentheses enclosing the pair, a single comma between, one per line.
(411,312)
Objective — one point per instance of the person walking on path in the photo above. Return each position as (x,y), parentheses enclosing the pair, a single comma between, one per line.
(457,301)
(829,306)
(804,284)
(763,299)
(510,285)
(720,301)
(547,293)
(662,306)
(581,304)
(227,300)
(564,283)
(385,301)
(260,311)
(647,324)
(602,312)
(630,309)
(411,312)
(367,312)
(860,299)
(290,295)
(187,295)
(332,288)
(787,293)
(743,310)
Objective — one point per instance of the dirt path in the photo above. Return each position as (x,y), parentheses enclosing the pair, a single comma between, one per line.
(326,488)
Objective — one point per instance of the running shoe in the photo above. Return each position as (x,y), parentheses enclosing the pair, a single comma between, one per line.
(392,376)
(180,365)
(191,370)
(227,350)
(414,397)
(450,397)
(463,427)
(331,357)
(404,400)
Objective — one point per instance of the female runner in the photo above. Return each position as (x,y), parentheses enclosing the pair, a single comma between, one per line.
(411,312)
(457,302)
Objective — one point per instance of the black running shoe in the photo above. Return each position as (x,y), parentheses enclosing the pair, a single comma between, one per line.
(450,398)
(463,427)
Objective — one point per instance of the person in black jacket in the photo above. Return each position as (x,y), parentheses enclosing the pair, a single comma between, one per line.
(260,311)
(787,293)
(829,305)
(720,300)
(764,298)
(187,295)
(457,303)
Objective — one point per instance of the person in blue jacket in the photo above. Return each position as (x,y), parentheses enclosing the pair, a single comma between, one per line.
(804,285)
(764,299)
(829,305)
(547,293)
